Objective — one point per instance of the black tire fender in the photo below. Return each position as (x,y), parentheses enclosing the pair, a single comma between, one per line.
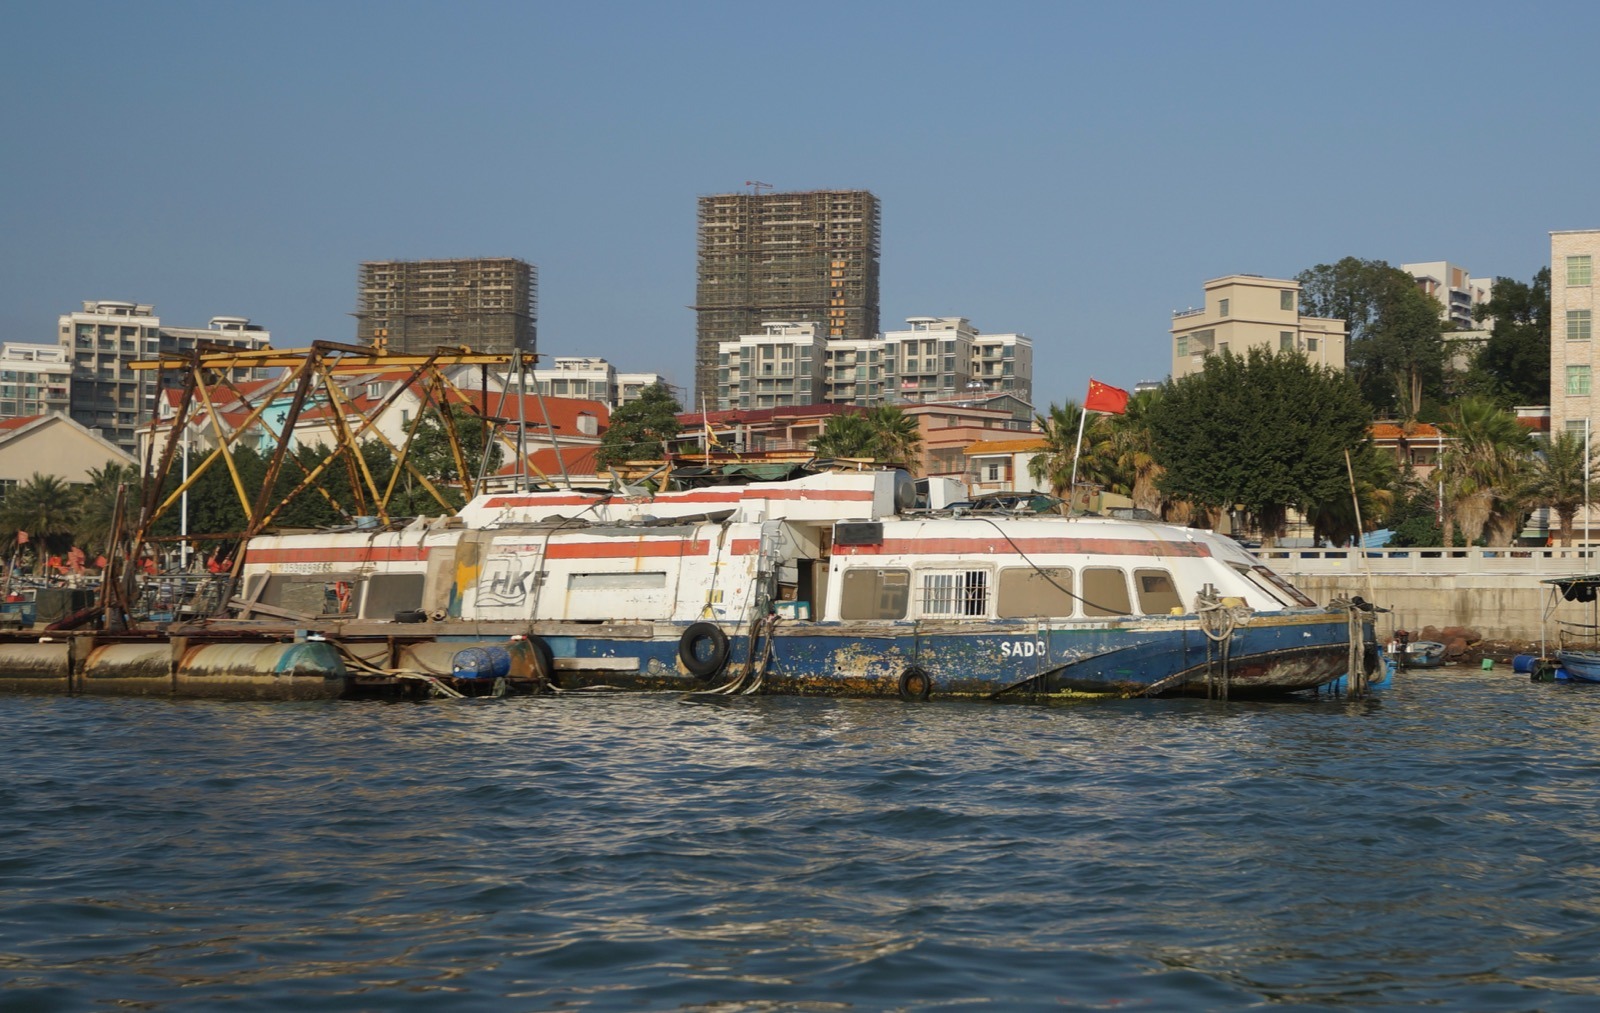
(915,683)
(689,643)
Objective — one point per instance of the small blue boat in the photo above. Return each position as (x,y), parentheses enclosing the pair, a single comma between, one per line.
(1423,654)
(1577,651)
(1580,666)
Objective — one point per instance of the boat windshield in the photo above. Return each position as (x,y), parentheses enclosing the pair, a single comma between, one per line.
(1277,588)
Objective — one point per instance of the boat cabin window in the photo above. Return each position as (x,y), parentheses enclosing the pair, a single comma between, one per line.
(871,593)
(322,594)
(388,593)
(955,593)
(1028,592)
(1158,596)
(616,581)
(1105,592)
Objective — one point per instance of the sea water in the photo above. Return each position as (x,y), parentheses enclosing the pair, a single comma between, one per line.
(1432,846)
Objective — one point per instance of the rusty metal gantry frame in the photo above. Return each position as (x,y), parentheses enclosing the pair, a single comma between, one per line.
(306,372)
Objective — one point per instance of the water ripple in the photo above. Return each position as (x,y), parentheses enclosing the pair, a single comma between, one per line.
(1432,847)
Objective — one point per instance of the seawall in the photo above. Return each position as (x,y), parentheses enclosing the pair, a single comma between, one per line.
(1497,592)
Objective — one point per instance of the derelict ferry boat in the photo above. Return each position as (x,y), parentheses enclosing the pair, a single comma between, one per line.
(823,584)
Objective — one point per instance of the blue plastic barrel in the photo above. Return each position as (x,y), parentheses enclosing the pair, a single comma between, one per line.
(481,663)
(1522,664)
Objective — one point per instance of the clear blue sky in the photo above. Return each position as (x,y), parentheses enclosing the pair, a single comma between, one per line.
(1073,171)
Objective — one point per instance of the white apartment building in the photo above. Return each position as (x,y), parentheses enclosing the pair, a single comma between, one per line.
(1456,290)
(777,368)
(936,358)
(1003,363)
(102,339)
(34,380)
(854,372)
(591,378)
(107,335)
(1243,311)
(930,359)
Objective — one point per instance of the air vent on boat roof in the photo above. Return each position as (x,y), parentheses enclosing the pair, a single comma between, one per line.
(858,533)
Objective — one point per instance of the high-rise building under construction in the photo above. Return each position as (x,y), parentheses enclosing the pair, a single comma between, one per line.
(808,257)
(488,304)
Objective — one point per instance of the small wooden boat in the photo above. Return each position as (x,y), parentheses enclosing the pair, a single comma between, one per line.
(1423,654)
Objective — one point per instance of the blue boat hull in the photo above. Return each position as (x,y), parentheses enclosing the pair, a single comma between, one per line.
(1580,666)
(1284,653)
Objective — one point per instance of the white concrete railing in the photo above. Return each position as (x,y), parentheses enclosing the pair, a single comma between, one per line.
(1543,562)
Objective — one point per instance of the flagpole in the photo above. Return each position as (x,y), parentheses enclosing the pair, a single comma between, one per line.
(1077,446)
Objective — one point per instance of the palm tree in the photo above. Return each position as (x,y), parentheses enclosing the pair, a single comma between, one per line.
(1486,472)
(97,503)
(845,435)
(896,437)
(1561,479)
(1053,464)
(885,434)
(43,507)
(1128,451)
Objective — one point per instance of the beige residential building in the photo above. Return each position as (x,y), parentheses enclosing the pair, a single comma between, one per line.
(1244,311)
(53,445)
(1573,362)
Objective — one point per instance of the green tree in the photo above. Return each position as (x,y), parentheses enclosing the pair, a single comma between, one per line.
(884,434)
(1393,330)
(1266,431)
(43,506)
(1487,471)
(1415,520)
(1561,479)
(640,428)
(1059,428)
(1377,478)
(1516,359)
(1124,453)
(97,502)
(847,434)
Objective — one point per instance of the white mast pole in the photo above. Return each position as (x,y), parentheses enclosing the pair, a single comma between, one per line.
(1077,447)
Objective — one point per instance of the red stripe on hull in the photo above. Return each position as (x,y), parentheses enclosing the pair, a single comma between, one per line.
(998,546)
(625,550)
(340,554)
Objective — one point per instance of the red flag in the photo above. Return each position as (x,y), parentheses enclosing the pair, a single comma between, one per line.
(1105,398)
(22,538)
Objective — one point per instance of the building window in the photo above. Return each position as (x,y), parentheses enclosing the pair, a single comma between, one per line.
(1222,348)
(1286,341)
(1183,347)
(1286,299)
(1579,270)
(1311,344)
(1578,325)
(1222,307)
(1578,381)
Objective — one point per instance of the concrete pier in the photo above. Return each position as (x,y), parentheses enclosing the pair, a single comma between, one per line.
(1497,592)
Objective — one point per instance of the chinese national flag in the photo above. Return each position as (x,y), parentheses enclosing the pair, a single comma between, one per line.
(1105,398)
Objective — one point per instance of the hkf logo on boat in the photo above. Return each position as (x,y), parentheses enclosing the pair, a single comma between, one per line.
(1022,648)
